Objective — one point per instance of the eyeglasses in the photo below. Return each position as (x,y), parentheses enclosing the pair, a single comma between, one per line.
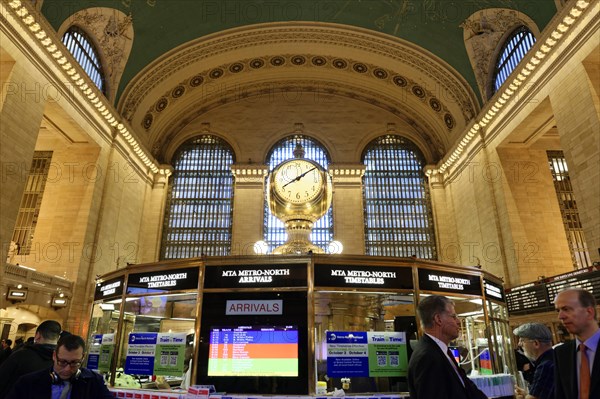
(525,340)
(65,363)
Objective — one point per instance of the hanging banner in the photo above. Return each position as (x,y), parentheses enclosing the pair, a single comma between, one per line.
(170,354)
(140,353)
(155,353)
(100,352)
(366,354)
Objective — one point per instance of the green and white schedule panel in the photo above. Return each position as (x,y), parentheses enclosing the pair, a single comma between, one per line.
(366,354)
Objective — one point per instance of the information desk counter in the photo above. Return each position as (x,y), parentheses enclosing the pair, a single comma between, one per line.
(288,325)
(144,394)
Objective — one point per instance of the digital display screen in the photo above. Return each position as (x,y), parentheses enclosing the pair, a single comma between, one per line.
(251,351)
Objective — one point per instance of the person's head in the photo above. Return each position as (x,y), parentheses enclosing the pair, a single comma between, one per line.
(438,318)
(576,309)
(19,341)
(6,343)
(68,356)
(47,332)
(534,338)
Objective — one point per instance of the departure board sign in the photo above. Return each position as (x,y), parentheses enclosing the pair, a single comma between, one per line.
(363,276)
(254,276)
(109,289)
(253,351)
(164,280)
(527,298)
(588,279)
(436,280)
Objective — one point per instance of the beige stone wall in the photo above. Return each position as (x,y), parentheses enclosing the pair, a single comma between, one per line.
(534,222)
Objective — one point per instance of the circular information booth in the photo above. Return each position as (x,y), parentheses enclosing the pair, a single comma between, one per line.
(289,325)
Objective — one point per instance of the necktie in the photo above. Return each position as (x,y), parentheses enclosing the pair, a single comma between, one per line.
(66,389)
(584,374)
(458,369)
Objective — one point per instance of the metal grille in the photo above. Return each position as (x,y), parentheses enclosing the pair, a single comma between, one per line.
(568,209)
(31,201)
(200,206)
(398,218)
(274,230)
(80,45)
(513,51)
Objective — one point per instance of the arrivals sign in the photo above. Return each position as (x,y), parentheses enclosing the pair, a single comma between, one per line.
(254,307)
(164,280)
(253,276)
(434,280)
(363,276)
(366,354)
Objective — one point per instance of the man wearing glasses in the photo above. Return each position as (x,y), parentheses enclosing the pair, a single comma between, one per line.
(536,341)
(66,379)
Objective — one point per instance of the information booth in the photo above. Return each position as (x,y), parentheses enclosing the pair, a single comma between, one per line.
(290,325)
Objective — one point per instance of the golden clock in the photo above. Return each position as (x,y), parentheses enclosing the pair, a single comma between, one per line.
(298,181)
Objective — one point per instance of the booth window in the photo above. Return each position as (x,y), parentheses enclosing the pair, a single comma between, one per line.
(513,51)
(31,202)
(398,217)
(80,45)
(274,231)
(199,212)
(568,209)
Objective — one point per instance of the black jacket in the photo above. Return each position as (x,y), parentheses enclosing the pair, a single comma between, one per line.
(565,373)
(29,358)
(38,385)
(431,376)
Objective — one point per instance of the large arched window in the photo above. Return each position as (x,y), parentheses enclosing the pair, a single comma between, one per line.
(80,45)
(198,217)
(274,231)
(514,49)
(398,218)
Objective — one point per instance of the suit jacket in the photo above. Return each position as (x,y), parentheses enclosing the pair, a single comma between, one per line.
(430,375)
(565,373)
(38,385)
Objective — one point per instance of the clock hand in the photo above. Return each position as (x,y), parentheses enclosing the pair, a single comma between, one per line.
(300,176)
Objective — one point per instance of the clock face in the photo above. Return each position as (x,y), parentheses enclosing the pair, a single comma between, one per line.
(298,181)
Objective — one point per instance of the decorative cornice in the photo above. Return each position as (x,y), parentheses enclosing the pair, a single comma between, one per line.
(403,84)
(251,174)
(349,38)
(57,54)
(517,86)
(347,174)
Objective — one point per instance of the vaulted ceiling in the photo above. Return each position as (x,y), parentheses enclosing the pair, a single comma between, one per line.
(435,25)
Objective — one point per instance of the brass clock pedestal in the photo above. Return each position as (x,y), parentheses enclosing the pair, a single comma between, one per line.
(298,241)
(299,194)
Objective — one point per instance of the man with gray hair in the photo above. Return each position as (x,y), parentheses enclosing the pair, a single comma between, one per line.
(536,341)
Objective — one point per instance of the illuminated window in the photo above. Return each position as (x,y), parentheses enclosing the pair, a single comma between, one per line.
(568,209)
(398,218)
(200,202)
(80,45)
(274,232)
(31,201)
(513,51)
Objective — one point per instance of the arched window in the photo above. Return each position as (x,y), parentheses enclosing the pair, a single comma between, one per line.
(274,231)
(198,217)
(80,45)
(513,51)
(398,218)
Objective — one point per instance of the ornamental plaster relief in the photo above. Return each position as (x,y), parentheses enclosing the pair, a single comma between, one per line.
(357,43)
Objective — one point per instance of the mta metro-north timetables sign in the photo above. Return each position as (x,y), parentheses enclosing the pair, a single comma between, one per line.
(252,351)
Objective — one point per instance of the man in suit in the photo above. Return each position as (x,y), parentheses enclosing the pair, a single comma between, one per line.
(432,372)
(577,312)
(65,379)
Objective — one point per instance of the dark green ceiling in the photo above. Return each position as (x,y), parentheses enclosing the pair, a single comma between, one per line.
(160,25)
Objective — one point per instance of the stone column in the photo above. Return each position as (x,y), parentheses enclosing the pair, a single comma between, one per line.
(348,207)
(248,207)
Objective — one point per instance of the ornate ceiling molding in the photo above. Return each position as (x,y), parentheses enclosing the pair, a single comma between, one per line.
(363,44)
(166,133)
